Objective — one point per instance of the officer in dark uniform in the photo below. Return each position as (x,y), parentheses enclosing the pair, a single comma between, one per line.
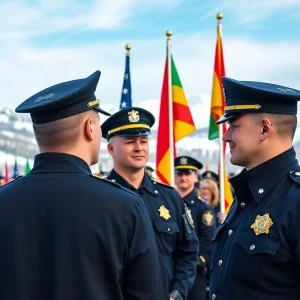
(64,233)
(127,132)
(256,251)
(202,215)
(210,175)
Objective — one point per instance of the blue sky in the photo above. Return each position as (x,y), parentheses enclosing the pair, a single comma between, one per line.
(45,42)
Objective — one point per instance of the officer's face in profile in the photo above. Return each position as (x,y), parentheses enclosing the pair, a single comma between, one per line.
(244,137)
(185,179)
(129,152)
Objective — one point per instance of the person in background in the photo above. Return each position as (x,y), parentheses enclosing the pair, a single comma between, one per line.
(127,134)
(210,192)
(149,170)
(64,233)
(201,217)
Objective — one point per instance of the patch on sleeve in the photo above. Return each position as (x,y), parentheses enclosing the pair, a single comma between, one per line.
(189,216)
(208,218)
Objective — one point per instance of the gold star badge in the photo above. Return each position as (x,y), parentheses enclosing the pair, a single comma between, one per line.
(262,224)
(164,213)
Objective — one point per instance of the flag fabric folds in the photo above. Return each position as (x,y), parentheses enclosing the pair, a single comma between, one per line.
(217,97)
(27,167)
(16,169)
(217,110)
(182,121)
(126,90)
(6,174)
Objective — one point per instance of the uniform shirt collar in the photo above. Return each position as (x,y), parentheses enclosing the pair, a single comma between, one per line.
(52,162)
(191,198)
(261,179)
(146,184)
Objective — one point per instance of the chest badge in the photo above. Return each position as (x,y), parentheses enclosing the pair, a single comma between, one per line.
(262,224)
(164,213)
(188,214)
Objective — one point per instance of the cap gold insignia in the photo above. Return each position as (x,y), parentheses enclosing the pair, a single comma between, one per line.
(208,175)
(262,224)
(183,160)
(164,213)
(133,116)
(208,218)
(189,216)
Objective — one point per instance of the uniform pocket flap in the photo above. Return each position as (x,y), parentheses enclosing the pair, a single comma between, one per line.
(169,228)
(258,244)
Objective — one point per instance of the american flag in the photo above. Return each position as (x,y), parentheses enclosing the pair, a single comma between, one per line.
(126,90)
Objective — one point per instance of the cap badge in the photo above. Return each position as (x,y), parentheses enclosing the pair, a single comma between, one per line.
(133,116)
(183,161)
(208,175)
(262,224)
(286,90)
(164,213)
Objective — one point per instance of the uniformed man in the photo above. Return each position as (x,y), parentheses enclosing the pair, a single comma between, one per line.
(210,175)
(204,222)
(127,132)
(256,251)
(64,233)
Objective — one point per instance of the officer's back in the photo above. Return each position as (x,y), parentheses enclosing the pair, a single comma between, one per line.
(64,233)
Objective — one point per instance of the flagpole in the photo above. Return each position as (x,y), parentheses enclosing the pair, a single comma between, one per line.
(171,125)
(222,179)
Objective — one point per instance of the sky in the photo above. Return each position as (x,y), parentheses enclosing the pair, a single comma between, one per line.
(46,42)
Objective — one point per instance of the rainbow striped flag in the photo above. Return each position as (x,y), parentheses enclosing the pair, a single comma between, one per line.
(183,123)
(217,110)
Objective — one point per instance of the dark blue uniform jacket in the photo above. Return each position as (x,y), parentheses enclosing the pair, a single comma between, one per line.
(256,251)
(66,235)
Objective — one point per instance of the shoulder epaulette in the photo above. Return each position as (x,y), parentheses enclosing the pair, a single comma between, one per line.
(5,184)
(201,199)
(163,184)
(295,176)
(115,184)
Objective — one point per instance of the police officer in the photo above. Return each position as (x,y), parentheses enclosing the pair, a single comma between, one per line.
(64,233)
(256,251)
(127,132)
(210,175)
(204,222)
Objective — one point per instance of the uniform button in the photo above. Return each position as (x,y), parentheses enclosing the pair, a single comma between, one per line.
(213,296)
(252,247)
(155,191)
(169,229)
(192,201)
(230,232)
(261,191)
(220,263)
(297,173)
(243,204)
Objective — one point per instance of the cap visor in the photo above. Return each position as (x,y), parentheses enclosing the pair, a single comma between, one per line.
(101,111)
(230,117)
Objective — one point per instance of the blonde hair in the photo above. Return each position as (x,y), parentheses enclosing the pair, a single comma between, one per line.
(214,189)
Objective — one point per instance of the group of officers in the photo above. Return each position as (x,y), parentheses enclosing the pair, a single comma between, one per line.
(67,234)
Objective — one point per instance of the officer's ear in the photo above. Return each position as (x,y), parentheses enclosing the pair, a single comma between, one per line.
(266,128)
(110,147)
(90,128)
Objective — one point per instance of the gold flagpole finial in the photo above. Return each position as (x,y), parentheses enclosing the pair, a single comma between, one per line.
(128,48)
(219,17)
(169,34)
